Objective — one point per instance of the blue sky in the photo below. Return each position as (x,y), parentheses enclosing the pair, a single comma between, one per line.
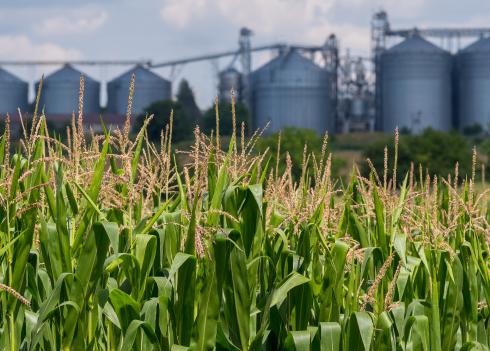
(167,29)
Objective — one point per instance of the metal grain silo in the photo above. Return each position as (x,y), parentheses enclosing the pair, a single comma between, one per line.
(13,93)
(416,86)
(292,91)
(473,72)
(61,89)
(230,79)
(148,88)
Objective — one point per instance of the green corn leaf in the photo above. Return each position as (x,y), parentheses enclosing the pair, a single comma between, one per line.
(131,333)
(330,334)
(127,309)
(290,282)
(297,341)
(361,331)
(205,326)
(417,333)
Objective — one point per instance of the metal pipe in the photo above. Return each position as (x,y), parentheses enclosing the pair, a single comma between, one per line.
(441,32)
(212,56)
(150,64)
(79,62)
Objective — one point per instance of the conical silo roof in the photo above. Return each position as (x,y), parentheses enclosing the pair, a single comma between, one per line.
(13,93)
(481,45)
(68,74)
(6,76)
(61,89)
(148,88)
(142,75)
(415,43)
(291,60)
(290,68)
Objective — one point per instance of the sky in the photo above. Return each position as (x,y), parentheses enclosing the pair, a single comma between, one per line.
(161,30)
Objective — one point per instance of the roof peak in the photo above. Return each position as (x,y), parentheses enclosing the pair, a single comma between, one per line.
(68,72)
(416,43)
(7,76)
(480,45)
(289,58)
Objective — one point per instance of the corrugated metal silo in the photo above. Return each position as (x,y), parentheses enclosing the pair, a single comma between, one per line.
(61,89)
(230,79)
(148,88)
(473,65)
(13,93)
(416,86)
(292,91)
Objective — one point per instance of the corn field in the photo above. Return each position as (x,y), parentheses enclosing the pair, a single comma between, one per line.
(107,245)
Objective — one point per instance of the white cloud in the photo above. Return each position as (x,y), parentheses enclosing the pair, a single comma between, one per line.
(293,21)
(20,47)
(268,15)
(396,8)
(81,22)
(179,13)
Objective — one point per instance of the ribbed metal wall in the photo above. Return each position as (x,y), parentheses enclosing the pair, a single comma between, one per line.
(61,89)
(416,86)
(473,77)
(292,91)
(148,88)
(230,79)
(13,93)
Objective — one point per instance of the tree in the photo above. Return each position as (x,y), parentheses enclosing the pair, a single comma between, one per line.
(185,96)
(436,151)
(473,130)
(242,114)
(182,127)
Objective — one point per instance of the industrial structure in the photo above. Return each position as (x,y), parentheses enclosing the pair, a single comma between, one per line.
(408,82)
(292,91)
(427,86)
(13,93)
(60,92)
(148,88)
(416,86)
(230,82)
(473,84)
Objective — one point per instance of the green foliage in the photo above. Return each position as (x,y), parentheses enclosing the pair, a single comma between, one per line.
(436,151)
(208,122)
(182,124)
(104,245)
(185,97)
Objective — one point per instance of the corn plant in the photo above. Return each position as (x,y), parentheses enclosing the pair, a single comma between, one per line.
(106,245)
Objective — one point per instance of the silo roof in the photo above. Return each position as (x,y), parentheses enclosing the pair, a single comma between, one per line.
(481,45)
(291,60)
(415,43)
(142,75)
(68,74)
(6,76)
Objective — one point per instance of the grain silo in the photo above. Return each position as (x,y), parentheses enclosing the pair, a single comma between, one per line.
(148,88)
(292,91)
(13,93)
(473,78)
(416,86)
(230,79)
(61,89)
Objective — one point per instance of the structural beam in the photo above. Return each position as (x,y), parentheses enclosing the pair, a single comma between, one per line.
(78,62)
(441,32)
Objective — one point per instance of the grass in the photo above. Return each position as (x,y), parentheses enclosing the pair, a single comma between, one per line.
(105,246)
